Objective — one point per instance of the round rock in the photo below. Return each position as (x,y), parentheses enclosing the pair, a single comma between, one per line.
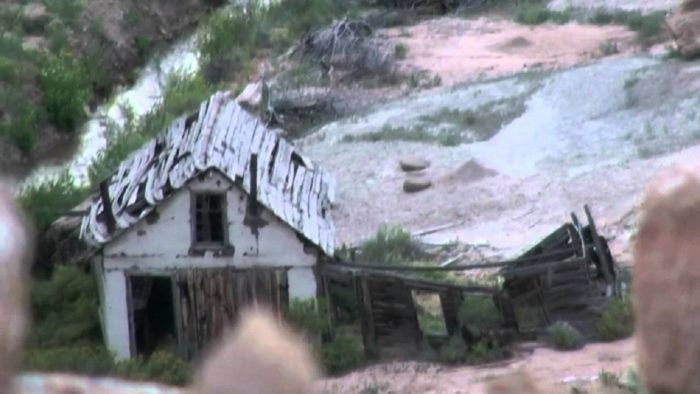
(413,163)
(34,17)
(414,185)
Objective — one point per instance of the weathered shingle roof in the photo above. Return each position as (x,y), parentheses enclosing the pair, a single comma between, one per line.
(221,135)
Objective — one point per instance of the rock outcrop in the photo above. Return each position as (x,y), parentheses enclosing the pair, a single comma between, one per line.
(685,29)
(416,184)
(413,163)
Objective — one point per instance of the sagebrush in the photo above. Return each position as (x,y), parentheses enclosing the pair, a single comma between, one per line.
(390,245)
(563,336)
(66,91)
(66,336)
(617,320)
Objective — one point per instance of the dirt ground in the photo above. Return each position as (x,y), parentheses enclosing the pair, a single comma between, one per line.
(551,369)
(645,5)
(460,50)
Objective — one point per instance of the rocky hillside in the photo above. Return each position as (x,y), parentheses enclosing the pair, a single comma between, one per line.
(59,58)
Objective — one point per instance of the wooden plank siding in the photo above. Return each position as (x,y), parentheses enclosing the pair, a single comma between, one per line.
(210,300)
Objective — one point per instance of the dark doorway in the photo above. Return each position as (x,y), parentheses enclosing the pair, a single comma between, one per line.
(153,315)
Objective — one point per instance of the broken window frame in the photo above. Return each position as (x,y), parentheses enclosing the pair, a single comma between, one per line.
(208,244)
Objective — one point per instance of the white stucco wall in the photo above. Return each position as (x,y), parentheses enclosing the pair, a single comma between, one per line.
(163,245)
(302,283)
(116,314)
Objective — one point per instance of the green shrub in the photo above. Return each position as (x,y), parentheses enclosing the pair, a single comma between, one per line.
(68,10)
(10,18)
(532,14)
(560,17)
(673,53)
(459,119)
(632,382)
(64,309)
(617,320)
(122,140)
(301,16)
(92,360)
(161,367)
(400,51)
(96,360)
(66,335)
(66,91)
(342,353)
(143,46)
(391,245)
(227,41)
(389,133)
(309,316)
(183,93)
(479,315)
(435,275)
(602,17)
(8,70)
(454,351)
(536,14)
(562,336)
(96,74)
(11,48)
(19,125)
(47,201)
(608,379)
(609,48)
(646,25)
(486,351)
(57,36)
(450,138)
(22,131)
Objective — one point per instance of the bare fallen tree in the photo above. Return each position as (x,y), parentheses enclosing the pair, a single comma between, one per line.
(347,45)
(344,51)
(444,5)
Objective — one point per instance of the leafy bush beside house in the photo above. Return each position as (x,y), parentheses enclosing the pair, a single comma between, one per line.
(66,335)
(47,201)
(64,309)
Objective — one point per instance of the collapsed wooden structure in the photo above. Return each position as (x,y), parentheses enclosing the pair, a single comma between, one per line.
(568,276)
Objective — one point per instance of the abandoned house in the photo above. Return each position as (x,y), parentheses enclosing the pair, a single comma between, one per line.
(216,212)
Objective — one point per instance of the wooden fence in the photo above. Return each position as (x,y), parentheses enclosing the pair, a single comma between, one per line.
(567,276)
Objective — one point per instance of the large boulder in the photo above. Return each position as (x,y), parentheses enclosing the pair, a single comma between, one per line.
(685,28)
(35,18)
(690,5)
(413,163)
(416,184)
